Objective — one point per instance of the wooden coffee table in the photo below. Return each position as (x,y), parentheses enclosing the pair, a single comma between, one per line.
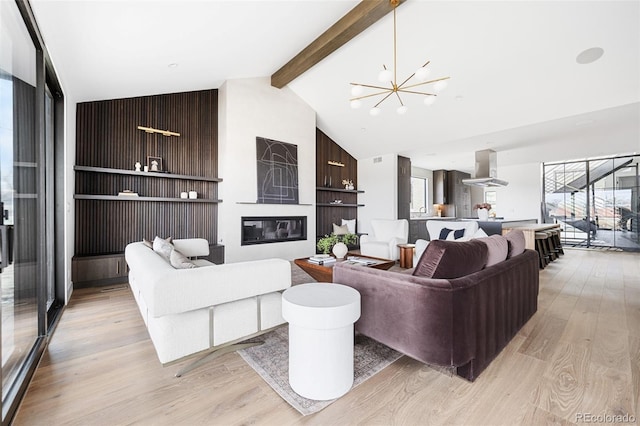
(324,273)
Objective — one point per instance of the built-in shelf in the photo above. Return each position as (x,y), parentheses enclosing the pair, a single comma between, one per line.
(130,198)
(351,191)
(145,174)
(274,204)
(338,205)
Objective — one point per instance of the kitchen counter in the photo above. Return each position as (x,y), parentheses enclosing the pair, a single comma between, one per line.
(433,218)
(418,227)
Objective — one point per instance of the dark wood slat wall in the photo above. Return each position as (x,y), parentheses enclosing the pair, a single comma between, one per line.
(328,150)
(114,224)
(107,136)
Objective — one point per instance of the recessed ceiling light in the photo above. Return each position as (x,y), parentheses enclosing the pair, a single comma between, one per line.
(172,65)
(590,55)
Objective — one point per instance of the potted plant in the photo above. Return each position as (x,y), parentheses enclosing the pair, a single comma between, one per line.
(326,243)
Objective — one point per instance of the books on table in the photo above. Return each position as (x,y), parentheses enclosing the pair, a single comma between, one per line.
(321,259)
(354,260)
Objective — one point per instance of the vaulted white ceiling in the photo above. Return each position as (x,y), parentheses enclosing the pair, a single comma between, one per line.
(515,84)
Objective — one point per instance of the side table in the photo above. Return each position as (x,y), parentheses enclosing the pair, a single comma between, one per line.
(321,343)
(406,255)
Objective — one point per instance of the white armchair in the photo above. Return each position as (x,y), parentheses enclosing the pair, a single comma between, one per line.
(435,227)
(384,239)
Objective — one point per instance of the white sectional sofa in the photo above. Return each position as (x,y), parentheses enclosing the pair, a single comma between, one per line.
(208,307)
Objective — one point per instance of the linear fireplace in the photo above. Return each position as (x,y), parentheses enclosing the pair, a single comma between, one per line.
(273,229)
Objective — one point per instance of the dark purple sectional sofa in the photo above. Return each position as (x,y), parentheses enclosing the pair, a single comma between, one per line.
(461,322)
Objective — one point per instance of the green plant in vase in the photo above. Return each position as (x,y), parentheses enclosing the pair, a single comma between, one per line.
(326,243)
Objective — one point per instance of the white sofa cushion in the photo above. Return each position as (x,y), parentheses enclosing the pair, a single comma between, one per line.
(192,247)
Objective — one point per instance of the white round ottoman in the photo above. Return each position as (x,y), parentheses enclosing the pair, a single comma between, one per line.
(321,318)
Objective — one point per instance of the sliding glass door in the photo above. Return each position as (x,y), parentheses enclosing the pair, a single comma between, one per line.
(19,195)
(30,296)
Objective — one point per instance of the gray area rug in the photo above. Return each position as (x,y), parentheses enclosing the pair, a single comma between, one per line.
(271,361)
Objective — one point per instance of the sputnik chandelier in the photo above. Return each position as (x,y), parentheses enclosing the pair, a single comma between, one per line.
(387,75)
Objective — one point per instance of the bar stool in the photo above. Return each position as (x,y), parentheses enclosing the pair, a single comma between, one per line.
(541,248)
(557,242)
(551,249)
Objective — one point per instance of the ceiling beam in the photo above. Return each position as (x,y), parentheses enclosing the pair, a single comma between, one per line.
(358,19)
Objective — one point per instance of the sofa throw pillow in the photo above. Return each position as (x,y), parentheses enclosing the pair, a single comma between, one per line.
(180,261)
(497,248)
(444,233)
(147,243)
(351,225)
(456,235)
(340,229)
(479,233)
(451,259)
(516,241)
(163,247)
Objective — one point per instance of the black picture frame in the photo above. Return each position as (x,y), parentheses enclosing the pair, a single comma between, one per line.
(158,161)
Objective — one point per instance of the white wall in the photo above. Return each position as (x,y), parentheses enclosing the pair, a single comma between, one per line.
(379,181)
(522,197)
(249,108)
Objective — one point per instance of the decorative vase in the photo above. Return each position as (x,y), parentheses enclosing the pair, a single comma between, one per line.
(483,214)
(340,250)
(350,187)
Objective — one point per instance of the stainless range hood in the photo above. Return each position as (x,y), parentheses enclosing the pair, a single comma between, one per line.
(486,170)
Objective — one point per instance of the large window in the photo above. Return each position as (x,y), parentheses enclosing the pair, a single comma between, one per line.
(596,202)
(419,195)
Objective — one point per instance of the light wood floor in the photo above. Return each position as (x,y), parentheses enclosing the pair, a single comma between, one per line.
(580,354)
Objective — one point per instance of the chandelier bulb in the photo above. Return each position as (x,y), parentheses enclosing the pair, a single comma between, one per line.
(429,100)
(440,85)
(375,111)
(402,109)
(422,74)
(356,90)
(385,76)
(355,104)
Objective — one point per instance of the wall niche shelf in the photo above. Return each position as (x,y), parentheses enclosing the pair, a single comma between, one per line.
(141,198)
(144,174)
(339,205)
(334,164)
(349,191)
(273,204)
